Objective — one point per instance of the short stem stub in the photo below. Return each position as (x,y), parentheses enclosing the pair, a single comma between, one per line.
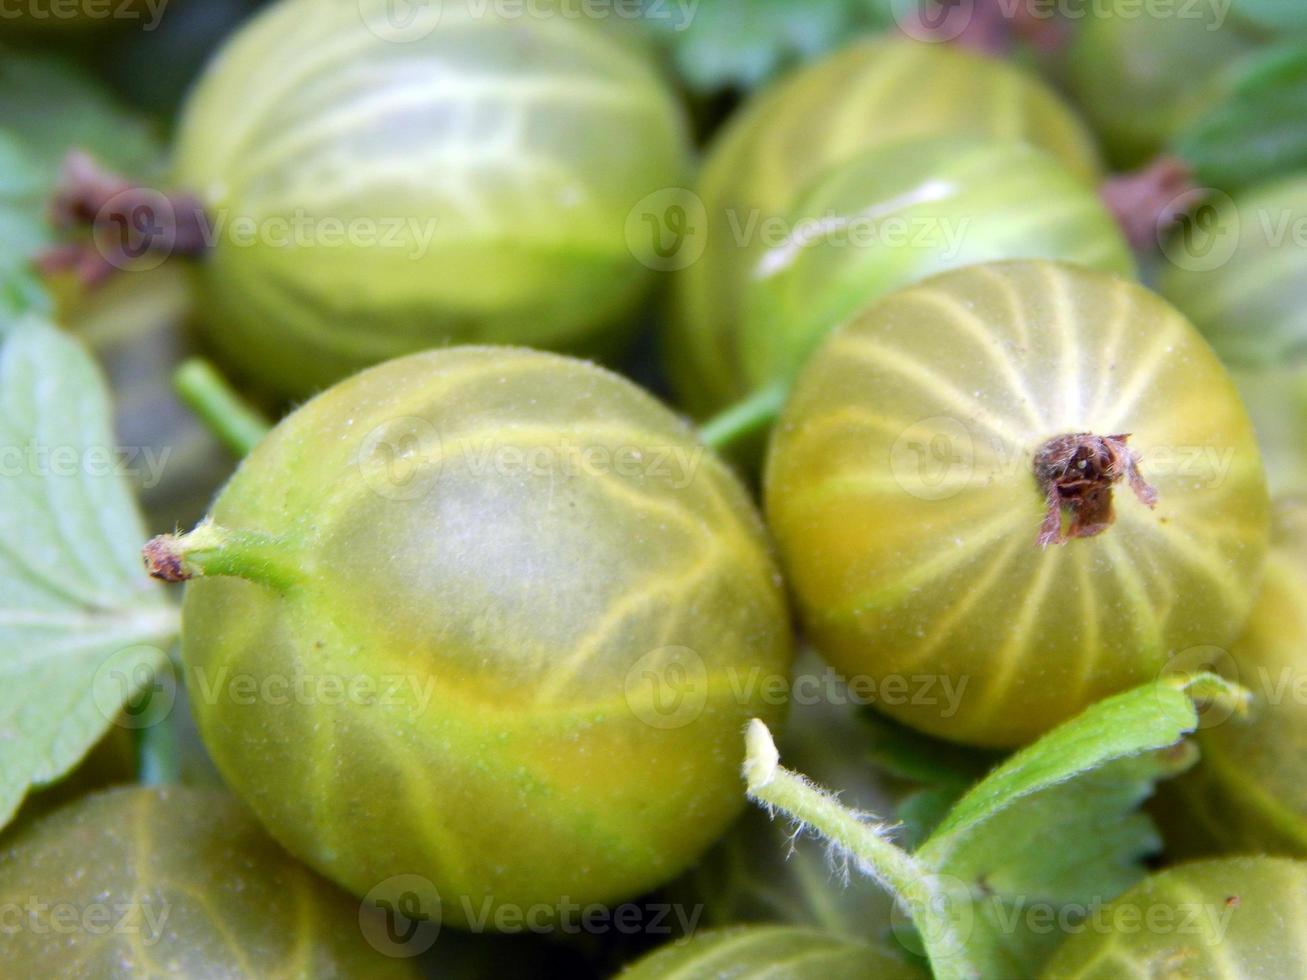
(127,223)
(1076,473)
(212,550)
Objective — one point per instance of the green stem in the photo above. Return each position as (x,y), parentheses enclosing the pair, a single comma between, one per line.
(745,417)
(212,550)
(238,425)
(932,905)
(156,754)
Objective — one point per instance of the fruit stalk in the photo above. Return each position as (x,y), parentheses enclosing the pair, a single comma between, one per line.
(867,844)
(235,423)
(212,550)
(745,417)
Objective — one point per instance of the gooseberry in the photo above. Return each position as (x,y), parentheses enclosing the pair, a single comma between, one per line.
(1140,76)
(1247,793)
(377,184)
(760,951)
(941,487)
(490,616)
(176,882)
(1219,920)
(1237,270)
(870,94)
(897,214)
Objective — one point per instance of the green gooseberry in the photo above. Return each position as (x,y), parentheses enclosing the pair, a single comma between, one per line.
(873,93)
(897,214)
(172,882)
(746,952)
(1247,793)
(489,616)
(381,182)
(1141,76)
(1215,920)
(940,486)
(1238,267)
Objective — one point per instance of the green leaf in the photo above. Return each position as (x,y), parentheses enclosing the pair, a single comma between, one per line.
(82,629)
(744,43)
(52,106)
(23,230)
(1256,133)
(1051,832)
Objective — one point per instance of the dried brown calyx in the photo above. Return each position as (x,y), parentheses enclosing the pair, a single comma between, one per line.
(1077,472)
(118,223)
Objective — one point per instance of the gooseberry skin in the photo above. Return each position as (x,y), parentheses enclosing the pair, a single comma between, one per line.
(767,950)
(1218,920)
(900,491)
(1140,79)
(1248,793)
(187,884)
(870,94)
(1239,272)
(916,208)
(593,635)
(467,182)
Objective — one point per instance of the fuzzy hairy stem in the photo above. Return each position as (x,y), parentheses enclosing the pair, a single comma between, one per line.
(236,424)
(914,885)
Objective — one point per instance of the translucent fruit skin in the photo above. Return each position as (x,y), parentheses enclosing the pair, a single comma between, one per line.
(898,214)
(1139,78)
(749,952)
(574,621)
(900,490)
(469,181)
(1248,792)
(871,94)
(1241,275)
(1214,920)
(185,884)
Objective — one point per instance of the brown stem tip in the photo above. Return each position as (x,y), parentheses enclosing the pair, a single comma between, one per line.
(1076,473)
(117,225)
(163,559)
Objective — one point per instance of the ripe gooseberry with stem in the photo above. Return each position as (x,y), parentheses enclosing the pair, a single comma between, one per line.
(389,184)
(555,609)
(1023,477)
(175,881)
(1222,919)
(873,93)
